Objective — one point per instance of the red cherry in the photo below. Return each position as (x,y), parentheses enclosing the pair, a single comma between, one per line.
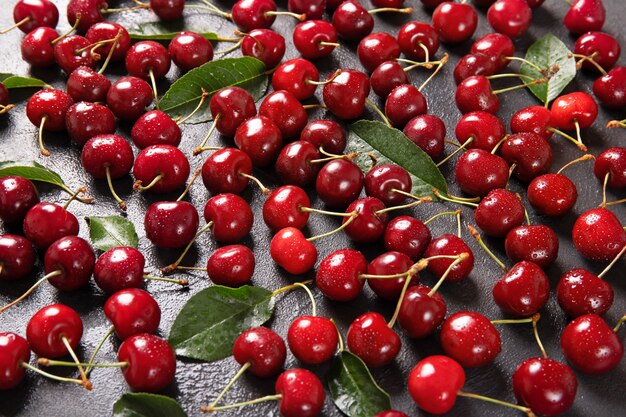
(530,153)
(313,9)
(428,132)
(230,107)
(352,21)
(119,268)
(48,326)
(390,263)
(404,103)
(263,349)
(499,212)
(535,119)
(44,223)
(103,31)
(611,162)
(107,156)
(37,12)
(51,105)
(369,225)
(283,208)
(314,39)
(485,130)
(497,47)
(454,22)
(295,76)
(85,84)
(610,89)
(415,37)
(151,362)
(189,50)
(155,128)
(598,235)
(128,98)
(470,338)
(407,235)
(449,245)
(68,57)
(290,250)
(580,292)
(17,257)
(434,383)
(523,290)
(171,224)
(327,134)
(75,258)
(371,339)
(265,45)
(17,196)
(578,107)
(85,120)
(346,94)
(222,171)
(473,64)
(302,393)
(312,340)
(164,161)
(132,311)
(231,265)
(603,47)
(284,109)
(339,182)
(14,351)
(168,10)
(510,17)
(253,14)
(231,216)
(376,48)
(552,194)
(585,15)
(420,314)
(89,11)
(294,166)
(260,139)
(386,77)
(37,48)
(533,243)
(477,172)
(382,180)
(338,275)
(390,413)
(474,94)
(147,57)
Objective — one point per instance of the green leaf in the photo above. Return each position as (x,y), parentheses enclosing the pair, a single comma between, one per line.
(165,31)
(548,54)
(391,145)
(184,95)
(209,323)
(111,231)
(147,405)
(353,389)
(17,81)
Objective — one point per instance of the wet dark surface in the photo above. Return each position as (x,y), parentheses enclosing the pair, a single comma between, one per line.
(197,383)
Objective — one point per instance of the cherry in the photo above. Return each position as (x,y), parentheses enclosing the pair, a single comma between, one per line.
(74,258)
(290,250)
(132,311)
(376,48)
(17,257)
(534,119)
(14,352)
(580,292)
(284,109)
(168,10)
(485,130)
(47,109)
(470,339)
(4,98)
(473,64)
(530,153)
(382,180)
(264,45)
(230,107)
(352,21)
(104,31)
(371,339)
(584,16)
(510,17)
(155,128)
(449,245)
(312,340)
(369,224)
(128,97)
(339,182)
(85,120)
(546,386)
(119,268)
(147,59)
(338,275)
(260,139)
(454,22)
(533,243)
(390,263)
(17,196)
(313,9)
(315,39)
(171,224)
(404,103)
(151,362)
(432,4)
(610,89)
(428,132)
(295,165)
(189,50)
(477,172)
(346,94)
(37,48)
(84,84)
(231,265)
(390,413)
(44,223)
(598,235)
(499,212)
(420,313)
(386,77)
(475,93)
(283,208)
(226,171)
(407,235)
(601,47)
(434,383)
(590,345)
(48,327)
(231,216)
(552,194)
(387,3)
(497,46)
(254,14)
(418,41)
(29,15)
(612,163)
(89,11)
(162,168)
(326,134)
(298,76)
(302,393)
(262,349)
(573,109)
(523,290)
(72,52)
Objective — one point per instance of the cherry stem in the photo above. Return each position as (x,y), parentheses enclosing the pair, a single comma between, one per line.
(258,182)
(228,386)
(458,224)
(521,408)
(407,282)
(576,142)
(604,183)
(203,98)
(86,383)
(457,150)
(231,49)
(517,87)
(274,397)
(332,158)
(586,157)
(173,266)
(74,196)
(339,337)
(619,323)
(578,136)
(404,206)
(589,59)
(390,276)
(51,376)
(426,51)
(611,203)
(90,365)
(71,193)
(190,268)
(92,47)
(526,217)
(335,44)
(300,17)
(201,147)
(616,123)
(291,287)
(193,179)
(328,213)
(110,54)
(328,81)
(72,29)
(353,216)
(511,170)
(405,10)
(454,199)
(4,109)
(537,338)
(18,24)
(51,362)
(525,61)
(31,289)
(442,62)
(414,197)
(117,198)
(43,150)
(509,75)
(479,239)
(215,9)
(535,317)
(138,186)
(154,88)
(182,282)
(608,267)
(374,107)
(314,106)
(258,43)
(444,213)
(497,145)
(459,258)
(310,294)
(126,9)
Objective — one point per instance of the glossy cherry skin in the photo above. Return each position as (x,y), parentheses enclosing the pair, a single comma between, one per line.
(14,351)
(345,96)
(119,268)
(510,17)
(290,250)
(314,9)
(302,393)
(523,290)
(477,172)
(265,45)
(295,76)
(48,326)
(263,349)
(75,258)
(474,94)
(552,194)
(189,50)
(151,362)
(4,95)
(37,48)
(253,14)
(231,265)
(132,311)
(283,208)
(17,257)
(420,313)
(352,21)
(312,340)
(428,132)
(473,64)
(412,34)
(171,224)
(497,47)
(598,235)
(546,386)
(168,10)
(404,103)
(382,180)
(534,119)
(221,172)
(107,151)
(485,130)
(611,162)
(470,338)
(308,35)
(390,263)
(44,223)
(102,31)
(581,292)
(338,274)
(326,134)
(339,182)
(499,212)
(67,56)
(293,165)
(147,57)
(408,235)
(17,196)
(575,107)
(610,89)
(51,104)
(371,339)
(85,120)
(434,383)
(230,107)
(530,153)
(155,128)
(85,84)
(584,16)
(261,139)
(231,216)
(449,245)
(386,77)
(604,48)
(39,13)
(284,109)
(369,225)
(128,98)
(533,243)
(390,413)
(90,12)
(454,22)
(376,48)
(165,160)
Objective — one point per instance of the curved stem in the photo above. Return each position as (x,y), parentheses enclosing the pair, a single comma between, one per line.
(334,44)
(619,323)
(291,287)
(138,186)
(74,196)
(201,148)
(90,365)
(182,282)
(43,150)
(457,261)
(117,198)
(414,197)
(125,9)
(310,294)
(327,81)
(71,193)
(517,87)
(258,182)
(590,59)
(458,224)
(494,401)
(31,289)
(216,9)
(193,179)
(228,386)
(608,267)
(404,206)
(616,123)
(444,213)
(332,232)
(405,10)
(453,199)
(457,150)
(536,333)
(515,58)
(585,157)
(4,109)
(274,397)
(51,362)
(51,376)
(497,145)
(390,276)
(86,383)
(476,236)
(328,213)
(300,17)
(604,183)
(516,321)
(203,98)
(374,107)
(508,75)
(442,62)
(580,145)
(72,29)
(18,24)
(154,88)
(172,267)
(396,312)
(106,62)
(231,49)
(339,337)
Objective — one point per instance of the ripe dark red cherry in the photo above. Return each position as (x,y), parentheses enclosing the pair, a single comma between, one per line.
(497,47)
(499,212)
(44,223)
(346,94)
(51,105)
(147,57)
(75,258)
(49,325)
(165,162)
(295,76)
(231,216)
(326,134)
(284,109)
(533,243)
(510,17)
(470,338)
(584,16)
(473,64)
(315,39)
(291,251)
(132,311)
(263,349)
(312,340)
(264,45)
(531,154)
(376,48)
(128,98)
(407,235)
(603,47)
(17,257)
(313,9)
(389,263)
(598,235)
(283,208)
(85,120)
(434,383)
(485,130)
(339,182)
(569,109)
(89,11)
(611,162)
(371,339)
(151,362)
(415,38)
(581,292)
(37,48)
(119,268)
(448,244)
(454,22)
(386,77)
(253,14)
(171,224)
(369,225)
(338,275)
(37,12)
(293,165)
(352,21)
(85,84)
(230,107)
(552,194)
(231,265)
(302,393)
(610,89)
(428,132)
(404,103)
(168,10)
(477,172)
(72,52)
(103,31)
(189,50)
(107,155)
(260,139)
(420,314)
(534,119)
(155,128)
(221,172)
(474,94)
(14,351)
(382,180)
(523,290)
(17,196)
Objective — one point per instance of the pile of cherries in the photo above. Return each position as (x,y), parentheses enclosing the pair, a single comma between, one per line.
(310,155)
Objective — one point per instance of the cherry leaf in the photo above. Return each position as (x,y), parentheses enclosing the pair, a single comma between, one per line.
(147,405)
(33,171)
(389,145)
(165,31)
(111,232)
(17,81)
(353,388)
(207,326)
(552,57)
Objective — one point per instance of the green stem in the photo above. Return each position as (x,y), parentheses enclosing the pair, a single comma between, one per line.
(494,401)
(445,213)
(457,261)
(51,376)
(310,294)
(90,365)
(291,287)
(172,267)
(31,289)
(274,397)
(476,236)
(332,232)
(228,386)
(378,111)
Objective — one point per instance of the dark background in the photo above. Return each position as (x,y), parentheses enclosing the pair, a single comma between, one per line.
(198,383)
